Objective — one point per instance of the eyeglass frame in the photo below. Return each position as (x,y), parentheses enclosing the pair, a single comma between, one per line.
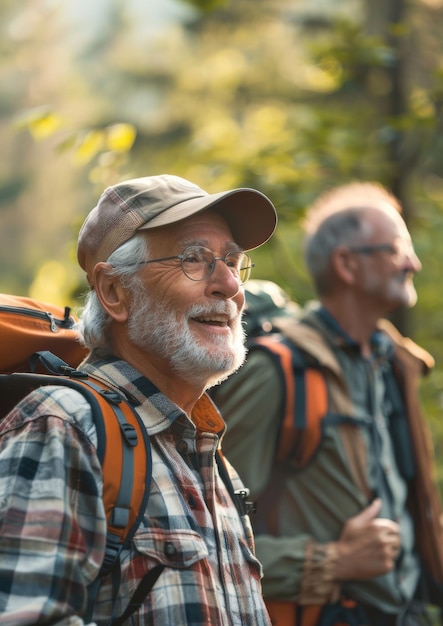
(181,257)
(406,248)
(371,248)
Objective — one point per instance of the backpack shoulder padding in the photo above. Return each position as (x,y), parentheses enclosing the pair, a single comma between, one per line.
(305,399)
(123,449)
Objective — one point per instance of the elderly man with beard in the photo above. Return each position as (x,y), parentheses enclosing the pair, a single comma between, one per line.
(348,523)
(166,264)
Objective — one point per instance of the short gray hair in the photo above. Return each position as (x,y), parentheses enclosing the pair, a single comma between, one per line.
(93,327)
(338,217)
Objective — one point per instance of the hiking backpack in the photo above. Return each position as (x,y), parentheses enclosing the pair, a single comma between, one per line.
(305,400)
(34,335)
(308,399)
(40,347)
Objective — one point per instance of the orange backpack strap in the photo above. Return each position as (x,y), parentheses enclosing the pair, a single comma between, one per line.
(125,454)
(304,406)
(343,612)
(282,613)
(292,614)
(123,446)
(124,451)
(305,402)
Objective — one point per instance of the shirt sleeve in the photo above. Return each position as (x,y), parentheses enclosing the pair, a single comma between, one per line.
(52,520)
(296,568)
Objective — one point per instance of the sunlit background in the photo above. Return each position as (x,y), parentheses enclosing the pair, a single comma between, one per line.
(286,96)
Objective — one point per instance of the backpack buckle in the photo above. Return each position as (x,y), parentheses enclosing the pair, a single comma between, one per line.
(245,506)
(129,433)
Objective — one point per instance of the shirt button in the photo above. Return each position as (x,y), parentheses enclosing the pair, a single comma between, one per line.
(170,549)
(182,447)
(192,501)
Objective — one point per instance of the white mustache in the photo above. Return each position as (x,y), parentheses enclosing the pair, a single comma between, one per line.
(222,307)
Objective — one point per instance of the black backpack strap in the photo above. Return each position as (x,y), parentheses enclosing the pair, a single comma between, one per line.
(399,426)
(143,588)
(53,364)
(238,496)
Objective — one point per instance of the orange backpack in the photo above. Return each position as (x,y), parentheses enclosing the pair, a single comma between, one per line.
(37,337)
(27,326)
(40,337)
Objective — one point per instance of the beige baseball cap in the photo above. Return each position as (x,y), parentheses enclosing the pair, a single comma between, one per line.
(154,201)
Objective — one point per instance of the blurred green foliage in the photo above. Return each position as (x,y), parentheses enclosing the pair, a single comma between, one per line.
(287,96)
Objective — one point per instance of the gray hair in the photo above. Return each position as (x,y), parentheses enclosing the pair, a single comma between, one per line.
(93,327)
(338,218)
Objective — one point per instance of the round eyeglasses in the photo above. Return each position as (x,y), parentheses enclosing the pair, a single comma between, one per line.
(198,263)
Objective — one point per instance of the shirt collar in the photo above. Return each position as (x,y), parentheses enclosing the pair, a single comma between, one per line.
(142,392)
(381,344)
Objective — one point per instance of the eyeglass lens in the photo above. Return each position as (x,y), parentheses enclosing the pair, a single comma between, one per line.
(198,263)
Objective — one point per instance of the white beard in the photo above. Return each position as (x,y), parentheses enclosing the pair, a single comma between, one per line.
(153,326)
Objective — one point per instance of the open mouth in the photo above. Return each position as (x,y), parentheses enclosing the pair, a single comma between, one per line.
(212,320)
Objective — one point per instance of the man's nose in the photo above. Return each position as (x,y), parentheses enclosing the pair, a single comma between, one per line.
(414,263)
(223,279)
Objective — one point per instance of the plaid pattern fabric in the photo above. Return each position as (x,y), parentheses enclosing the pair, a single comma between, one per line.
(52,522)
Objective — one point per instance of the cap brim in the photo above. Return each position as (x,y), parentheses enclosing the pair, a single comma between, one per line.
(250,215)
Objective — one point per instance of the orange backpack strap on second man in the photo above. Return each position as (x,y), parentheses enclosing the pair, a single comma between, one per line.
(303,409)
(305,402)
(305,405)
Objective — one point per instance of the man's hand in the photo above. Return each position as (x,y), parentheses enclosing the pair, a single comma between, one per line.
(368,545)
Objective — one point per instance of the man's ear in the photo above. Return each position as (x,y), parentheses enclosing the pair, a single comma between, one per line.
(344,265)
(110,293)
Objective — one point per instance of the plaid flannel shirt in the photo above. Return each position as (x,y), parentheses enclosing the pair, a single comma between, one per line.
(53,526)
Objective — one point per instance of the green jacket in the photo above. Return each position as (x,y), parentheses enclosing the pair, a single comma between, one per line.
(303,511)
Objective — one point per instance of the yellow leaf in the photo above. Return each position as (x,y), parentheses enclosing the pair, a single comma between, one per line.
(89,146)
(120,137)
(45,126)
(41,122)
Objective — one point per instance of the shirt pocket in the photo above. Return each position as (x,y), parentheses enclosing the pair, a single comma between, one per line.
(178,549)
